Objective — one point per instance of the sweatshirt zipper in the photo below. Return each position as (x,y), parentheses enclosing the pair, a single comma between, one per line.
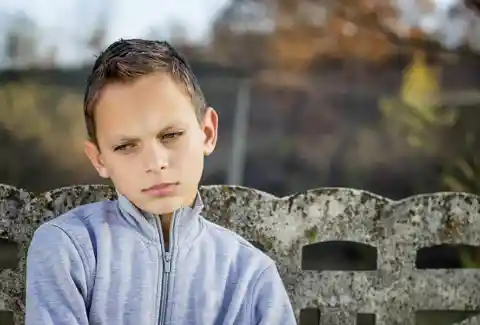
(167,267)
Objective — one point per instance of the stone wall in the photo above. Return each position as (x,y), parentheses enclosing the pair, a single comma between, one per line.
(346,256)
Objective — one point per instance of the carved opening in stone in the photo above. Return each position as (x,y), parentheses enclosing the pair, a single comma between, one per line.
(338,255)
(448,256)
(6,317)
(311,316)
(9,255)
(442,317)
(366,319)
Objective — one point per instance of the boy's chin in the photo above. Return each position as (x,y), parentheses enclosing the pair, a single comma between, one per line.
(163,206)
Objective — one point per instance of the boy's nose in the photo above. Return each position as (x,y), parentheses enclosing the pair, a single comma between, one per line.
(156,159)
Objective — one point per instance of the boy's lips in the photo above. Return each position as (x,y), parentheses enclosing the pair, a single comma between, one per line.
(161,189)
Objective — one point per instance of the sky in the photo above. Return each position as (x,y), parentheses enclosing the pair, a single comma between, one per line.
(449,21)
(65,21)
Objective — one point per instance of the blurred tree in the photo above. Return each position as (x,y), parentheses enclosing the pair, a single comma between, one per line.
(443,133)
(97,39)
(293,33)
(307,29)
(177,33)
(26,165)
(462,170)
(240,33)
(51,58)
(50,116)
(416,111)
(21,42)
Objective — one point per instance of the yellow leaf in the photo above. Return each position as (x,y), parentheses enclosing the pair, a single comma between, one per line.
(420,87)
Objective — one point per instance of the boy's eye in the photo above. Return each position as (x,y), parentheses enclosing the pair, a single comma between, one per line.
(123,147)
(171,135)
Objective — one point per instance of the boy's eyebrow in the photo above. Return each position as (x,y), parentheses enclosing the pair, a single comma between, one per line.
(128,138)
(125,138)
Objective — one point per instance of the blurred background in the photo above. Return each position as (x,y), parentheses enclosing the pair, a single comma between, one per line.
(381,95)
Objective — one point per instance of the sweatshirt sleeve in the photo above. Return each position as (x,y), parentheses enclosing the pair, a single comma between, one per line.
(56,280)
(271,304)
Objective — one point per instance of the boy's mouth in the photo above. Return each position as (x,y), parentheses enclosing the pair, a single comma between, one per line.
(161,189)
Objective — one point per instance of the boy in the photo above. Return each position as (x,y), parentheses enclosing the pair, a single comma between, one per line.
(149,257)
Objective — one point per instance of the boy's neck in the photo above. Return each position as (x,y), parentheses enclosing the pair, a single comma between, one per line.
(166,221)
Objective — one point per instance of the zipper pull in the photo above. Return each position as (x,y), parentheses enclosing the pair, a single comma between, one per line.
(168,260)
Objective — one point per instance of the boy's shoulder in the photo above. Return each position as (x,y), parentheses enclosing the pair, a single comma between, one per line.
(82,214)
(229,240)
(78,221)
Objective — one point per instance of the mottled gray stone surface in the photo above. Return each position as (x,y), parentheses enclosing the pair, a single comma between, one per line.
(282,226)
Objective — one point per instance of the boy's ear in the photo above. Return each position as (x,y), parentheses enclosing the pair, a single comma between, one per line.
(210,129)
(93,154)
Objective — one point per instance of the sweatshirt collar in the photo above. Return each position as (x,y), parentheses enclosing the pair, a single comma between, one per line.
(185,225)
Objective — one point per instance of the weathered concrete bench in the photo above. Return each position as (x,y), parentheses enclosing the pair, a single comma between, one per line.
(346,256)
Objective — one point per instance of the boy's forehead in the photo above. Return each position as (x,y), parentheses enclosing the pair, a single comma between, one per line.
(153,89)
(146,105)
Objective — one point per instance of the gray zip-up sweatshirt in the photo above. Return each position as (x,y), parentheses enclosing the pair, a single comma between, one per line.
(105,264)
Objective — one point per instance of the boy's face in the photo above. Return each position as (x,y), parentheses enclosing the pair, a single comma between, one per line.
(150,143)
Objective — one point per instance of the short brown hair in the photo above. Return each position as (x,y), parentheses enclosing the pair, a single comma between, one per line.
(129,59)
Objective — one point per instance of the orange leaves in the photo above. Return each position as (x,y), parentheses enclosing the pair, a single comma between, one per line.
(361,29)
